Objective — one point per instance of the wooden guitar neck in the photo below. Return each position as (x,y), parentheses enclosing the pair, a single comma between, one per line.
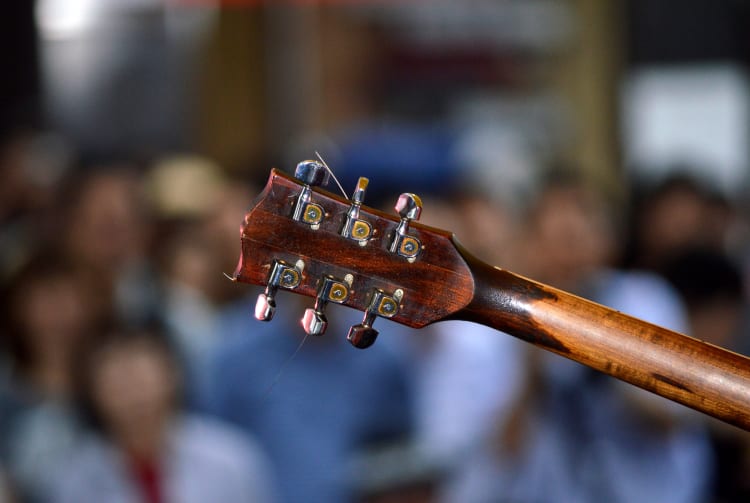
(338,251)
(694,373)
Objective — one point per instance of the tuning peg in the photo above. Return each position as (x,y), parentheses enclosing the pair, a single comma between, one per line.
(355,228)
(408,207)
(282,275)
(363,336)
(314,321)
(311,174)
(358,196)
(381,304)
(265,307)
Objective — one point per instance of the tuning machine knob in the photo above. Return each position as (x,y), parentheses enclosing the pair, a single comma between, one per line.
(355,228)
(311,174)
(282,275)
(314,321)
(381,304)
(408,207)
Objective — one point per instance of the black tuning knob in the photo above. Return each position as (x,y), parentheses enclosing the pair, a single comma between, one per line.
(311,174)
(363,335)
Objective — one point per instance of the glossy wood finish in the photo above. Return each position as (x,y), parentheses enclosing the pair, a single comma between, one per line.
(446,282)
(702,376)
(437,284)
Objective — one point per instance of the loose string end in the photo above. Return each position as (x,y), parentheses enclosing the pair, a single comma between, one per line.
(325,165)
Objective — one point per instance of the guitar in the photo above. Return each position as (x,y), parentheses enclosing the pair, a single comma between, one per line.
(300,238)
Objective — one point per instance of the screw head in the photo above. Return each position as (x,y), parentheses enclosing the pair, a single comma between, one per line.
(387,307)
(338,292)
(361,336)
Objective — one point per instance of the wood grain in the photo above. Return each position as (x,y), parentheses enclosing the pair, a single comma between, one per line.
(447,282)
(694,373)
(436,285)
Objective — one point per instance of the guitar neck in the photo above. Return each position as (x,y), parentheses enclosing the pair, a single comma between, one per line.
(305,241)
(696,374)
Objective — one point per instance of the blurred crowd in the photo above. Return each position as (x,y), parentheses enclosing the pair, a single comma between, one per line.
(132,369)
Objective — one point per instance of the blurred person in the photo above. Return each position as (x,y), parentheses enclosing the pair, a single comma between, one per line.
(569,235)
(47,316)
(455,366)
(711,286)
(188,276)
(197,214)
(106,226)
(677,214)
(710,283)
(574,435)
(310,405)
(221,226)
(146,448)
(6,493)
(395,471)
(31,167)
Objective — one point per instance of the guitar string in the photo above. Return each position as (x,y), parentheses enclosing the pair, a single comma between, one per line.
(277,378)
(331,172)
(288,361)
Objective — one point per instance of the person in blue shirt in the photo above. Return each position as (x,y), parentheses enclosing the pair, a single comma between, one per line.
(310,410)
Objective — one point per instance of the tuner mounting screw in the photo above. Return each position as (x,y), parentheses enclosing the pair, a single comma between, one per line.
(408,207)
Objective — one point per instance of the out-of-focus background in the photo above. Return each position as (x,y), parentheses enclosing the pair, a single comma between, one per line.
(600,147)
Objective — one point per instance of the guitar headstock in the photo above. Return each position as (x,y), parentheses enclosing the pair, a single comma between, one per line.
(300,238)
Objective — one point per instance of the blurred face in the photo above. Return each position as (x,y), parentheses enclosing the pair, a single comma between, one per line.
(569,237)
(222,228)
(54,313)
(671,223)
(134,387)
(491,231)
(194,264)
(224,224)
(106,228)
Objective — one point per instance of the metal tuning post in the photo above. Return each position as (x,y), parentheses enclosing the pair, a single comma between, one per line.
(381,304)
(330,289)
(408,207)
(355,228)
(311,174)
(282,275)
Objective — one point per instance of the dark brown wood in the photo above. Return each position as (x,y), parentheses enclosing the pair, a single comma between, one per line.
(697,374)
(446,282)
(437,284)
